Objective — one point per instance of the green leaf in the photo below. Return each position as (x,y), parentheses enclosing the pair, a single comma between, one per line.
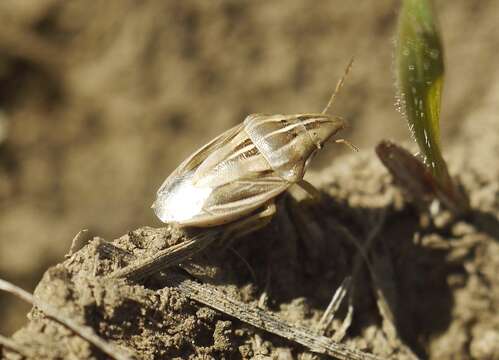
(420,75)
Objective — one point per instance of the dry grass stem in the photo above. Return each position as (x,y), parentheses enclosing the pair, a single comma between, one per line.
(347,321)
(214,298)
(334,305)
(383,283)
(168,257)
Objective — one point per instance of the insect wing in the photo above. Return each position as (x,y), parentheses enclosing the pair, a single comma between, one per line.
(232,183)
(195,160)
(241,197)
(178,199)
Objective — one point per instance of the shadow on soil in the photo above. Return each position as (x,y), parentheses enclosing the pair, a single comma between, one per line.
(302,257)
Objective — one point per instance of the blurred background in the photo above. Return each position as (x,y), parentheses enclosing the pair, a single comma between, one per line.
(99,101)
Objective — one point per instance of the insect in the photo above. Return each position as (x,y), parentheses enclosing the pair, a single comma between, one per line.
(245,168)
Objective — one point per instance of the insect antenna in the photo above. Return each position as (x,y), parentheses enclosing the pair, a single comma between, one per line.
(339,85)
(347,143)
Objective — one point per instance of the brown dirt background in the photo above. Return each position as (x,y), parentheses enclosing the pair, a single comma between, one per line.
(99,103)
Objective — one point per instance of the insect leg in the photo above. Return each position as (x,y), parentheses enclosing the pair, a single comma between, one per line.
(250,223)
(310,189)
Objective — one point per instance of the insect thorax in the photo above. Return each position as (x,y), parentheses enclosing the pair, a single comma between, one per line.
(286,141)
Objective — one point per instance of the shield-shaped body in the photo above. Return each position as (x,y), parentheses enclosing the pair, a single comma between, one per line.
(242,169)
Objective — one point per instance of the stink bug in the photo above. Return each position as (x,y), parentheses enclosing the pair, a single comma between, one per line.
(245,168)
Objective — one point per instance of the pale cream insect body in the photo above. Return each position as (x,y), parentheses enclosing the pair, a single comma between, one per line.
(244,168)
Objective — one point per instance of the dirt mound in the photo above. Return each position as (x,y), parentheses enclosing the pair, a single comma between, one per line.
(430,291)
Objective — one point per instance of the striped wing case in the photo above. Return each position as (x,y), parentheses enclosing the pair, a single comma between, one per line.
(222,181)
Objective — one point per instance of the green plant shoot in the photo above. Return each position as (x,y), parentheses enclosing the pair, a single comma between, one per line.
(420,74)
(420,77)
